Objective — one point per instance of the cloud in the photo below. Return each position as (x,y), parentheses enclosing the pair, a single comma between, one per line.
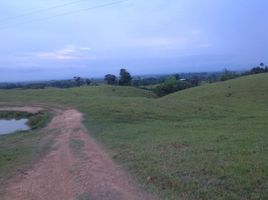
(85,48)
(69,52)
(160,42)
(191,39)
(70,56)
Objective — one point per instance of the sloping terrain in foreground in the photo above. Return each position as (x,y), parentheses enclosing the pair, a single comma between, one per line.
(208,142)
(75,168)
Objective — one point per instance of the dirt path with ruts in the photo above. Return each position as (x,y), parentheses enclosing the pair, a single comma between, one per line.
(75,168)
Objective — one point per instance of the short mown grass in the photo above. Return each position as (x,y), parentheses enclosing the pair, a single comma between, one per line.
(208,142)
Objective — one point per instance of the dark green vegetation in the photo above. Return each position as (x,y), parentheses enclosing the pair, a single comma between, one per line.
(207,142)
(171,85)
(125,78)
(259,69)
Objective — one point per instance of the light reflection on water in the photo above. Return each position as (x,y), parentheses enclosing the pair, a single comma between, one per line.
(12,125)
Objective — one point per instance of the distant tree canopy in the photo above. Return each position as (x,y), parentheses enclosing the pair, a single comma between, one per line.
(212,78)
(227,75)
(171,85)
(195,80)
(75,82)
(147,81)
(160,84)
(110,79)
(125,77)
(78,80)
(259,69)
(177,76)
(87,81)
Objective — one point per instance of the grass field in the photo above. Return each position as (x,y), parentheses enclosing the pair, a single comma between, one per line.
(208,142)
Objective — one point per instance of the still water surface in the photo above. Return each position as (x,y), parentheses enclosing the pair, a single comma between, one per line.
(13,125)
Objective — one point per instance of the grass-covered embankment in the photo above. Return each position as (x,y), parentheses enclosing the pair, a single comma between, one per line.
(208,142)
(20,150)
(35,120)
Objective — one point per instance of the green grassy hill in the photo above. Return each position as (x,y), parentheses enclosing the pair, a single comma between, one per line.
(208,142)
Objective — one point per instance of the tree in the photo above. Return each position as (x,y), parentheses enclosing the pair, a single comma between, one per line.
(227,75)
(177,76)
(125,77)
(171,85)
(212,78)
(88,82)
(195,80)
(78,80)
(110,79)
(256,70)
(259,69)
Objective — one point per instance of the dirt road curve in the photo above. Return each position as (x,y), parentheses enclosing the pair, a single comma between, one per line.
(75,168)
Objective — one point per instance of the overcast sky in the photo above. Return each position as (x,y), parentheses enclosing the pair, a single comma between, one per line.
(54,39)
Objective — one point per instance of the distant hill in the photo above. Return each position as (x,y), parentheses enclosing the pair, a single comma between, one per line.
(241,92)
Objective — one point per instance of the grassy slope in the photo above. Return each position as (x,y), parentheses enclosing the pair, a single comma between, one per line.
(209,142)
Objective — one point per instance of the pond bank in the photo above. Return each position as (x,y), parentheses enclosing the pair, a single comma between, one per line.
(33,120)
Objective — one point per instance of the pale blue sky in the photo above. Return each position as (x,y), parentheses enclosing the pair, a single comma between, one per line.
(146,37)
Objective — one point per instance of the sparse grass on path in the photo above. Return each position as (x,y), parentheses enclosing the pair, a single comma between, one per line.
(209,142)
(76,144)
(84,197)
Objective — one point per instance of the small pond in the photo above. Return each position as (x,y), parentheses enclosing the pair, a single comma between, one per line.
(12,125)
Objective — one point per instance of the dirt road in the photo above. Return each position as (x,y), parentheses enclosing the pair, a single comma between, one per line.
(76,168)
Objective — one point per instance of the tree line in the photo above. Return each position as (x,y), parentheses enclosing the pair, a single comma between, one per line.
(75,82)
(227,75)
(125,79)
(161,85)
